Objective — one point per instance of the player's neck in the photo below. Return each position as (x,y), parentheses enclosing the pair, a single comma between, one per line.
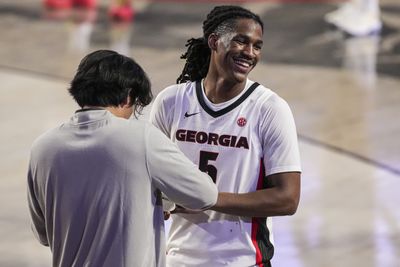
(219,90)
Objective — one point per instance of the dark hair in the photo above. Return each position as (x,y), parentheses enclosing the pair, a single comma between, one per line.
(105,78)
(221,19)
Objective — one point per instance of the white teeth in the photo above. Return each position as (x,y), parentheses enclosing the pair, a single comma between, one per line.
(242,63)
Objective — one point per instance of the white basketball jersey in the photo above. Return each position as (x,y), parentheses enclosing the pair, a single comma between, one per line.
(238,143)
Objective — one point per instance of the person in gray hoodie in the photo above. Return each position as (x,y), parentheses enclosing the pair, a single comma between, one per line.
(95,182)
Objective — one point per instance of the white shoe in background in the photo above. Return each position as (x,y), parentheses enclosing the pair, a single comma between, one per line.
(355,21)
(340,13)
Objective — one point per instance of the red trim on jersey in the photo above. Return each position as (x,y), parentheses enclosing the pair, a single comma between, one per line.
(254,230)
(254,221)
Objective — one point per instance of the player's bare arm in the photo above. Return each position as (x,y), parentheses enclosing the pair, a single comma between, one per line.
(282,198)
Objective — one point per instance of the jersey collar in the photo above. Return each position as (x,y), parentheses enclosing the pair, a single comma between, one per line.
(225,110)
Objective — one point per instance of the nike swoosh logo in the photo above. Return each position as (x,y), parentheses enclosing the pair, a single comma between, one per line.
(187,115)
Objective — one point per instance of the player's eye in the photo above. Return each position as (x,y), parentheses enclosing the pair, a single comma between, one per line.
(240,41)
(258,46)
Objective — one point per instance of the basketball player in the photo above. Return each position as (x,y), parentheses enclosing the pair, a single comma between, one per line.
(94,182)
(239,132)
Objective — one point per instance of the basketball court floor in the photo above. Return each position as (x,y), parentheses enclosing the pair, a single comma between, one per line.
(344,93)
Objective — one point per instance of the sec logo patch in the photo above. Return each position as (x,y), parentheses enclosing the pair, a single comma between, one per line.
(241,121)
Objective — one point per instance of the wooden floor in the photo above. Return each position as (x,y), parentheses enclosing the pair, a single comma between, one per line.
(344,93)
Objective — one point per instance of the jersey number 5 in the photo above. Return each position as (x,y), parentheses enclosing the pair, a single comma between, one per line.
(204,165)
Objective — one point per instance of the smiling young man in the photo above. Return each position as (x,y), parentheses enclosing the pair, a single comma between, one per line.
(239,132)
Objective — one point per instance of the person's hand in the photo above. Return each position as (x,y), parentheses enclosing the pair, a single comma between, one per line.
(167,214)
(180,209)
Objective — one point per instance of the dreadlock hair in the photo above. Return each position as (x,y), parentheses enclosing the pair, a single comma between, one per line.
(222,19)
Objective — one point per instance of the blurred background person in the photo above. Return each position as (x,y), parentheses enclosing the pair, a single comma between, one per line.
(118,9)
(357,17)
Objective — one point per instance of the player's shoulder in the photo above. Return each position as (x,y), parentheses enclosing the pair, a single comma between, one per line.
(269,98)
(168,96)
(168,92)
(174,89)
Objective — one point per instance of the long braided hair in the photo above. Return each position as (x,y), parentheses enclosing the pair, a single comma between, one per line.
(220,20)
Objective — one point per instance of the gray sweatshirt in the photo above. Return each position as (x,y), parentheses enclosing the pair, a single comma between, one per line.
(94,190)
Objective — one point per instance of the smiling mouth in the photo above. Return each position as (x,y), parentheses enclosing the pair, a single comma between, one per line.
(242,65)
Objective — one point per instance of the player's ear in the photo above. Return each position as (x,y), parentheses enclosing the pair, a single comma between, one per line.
(212,41)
